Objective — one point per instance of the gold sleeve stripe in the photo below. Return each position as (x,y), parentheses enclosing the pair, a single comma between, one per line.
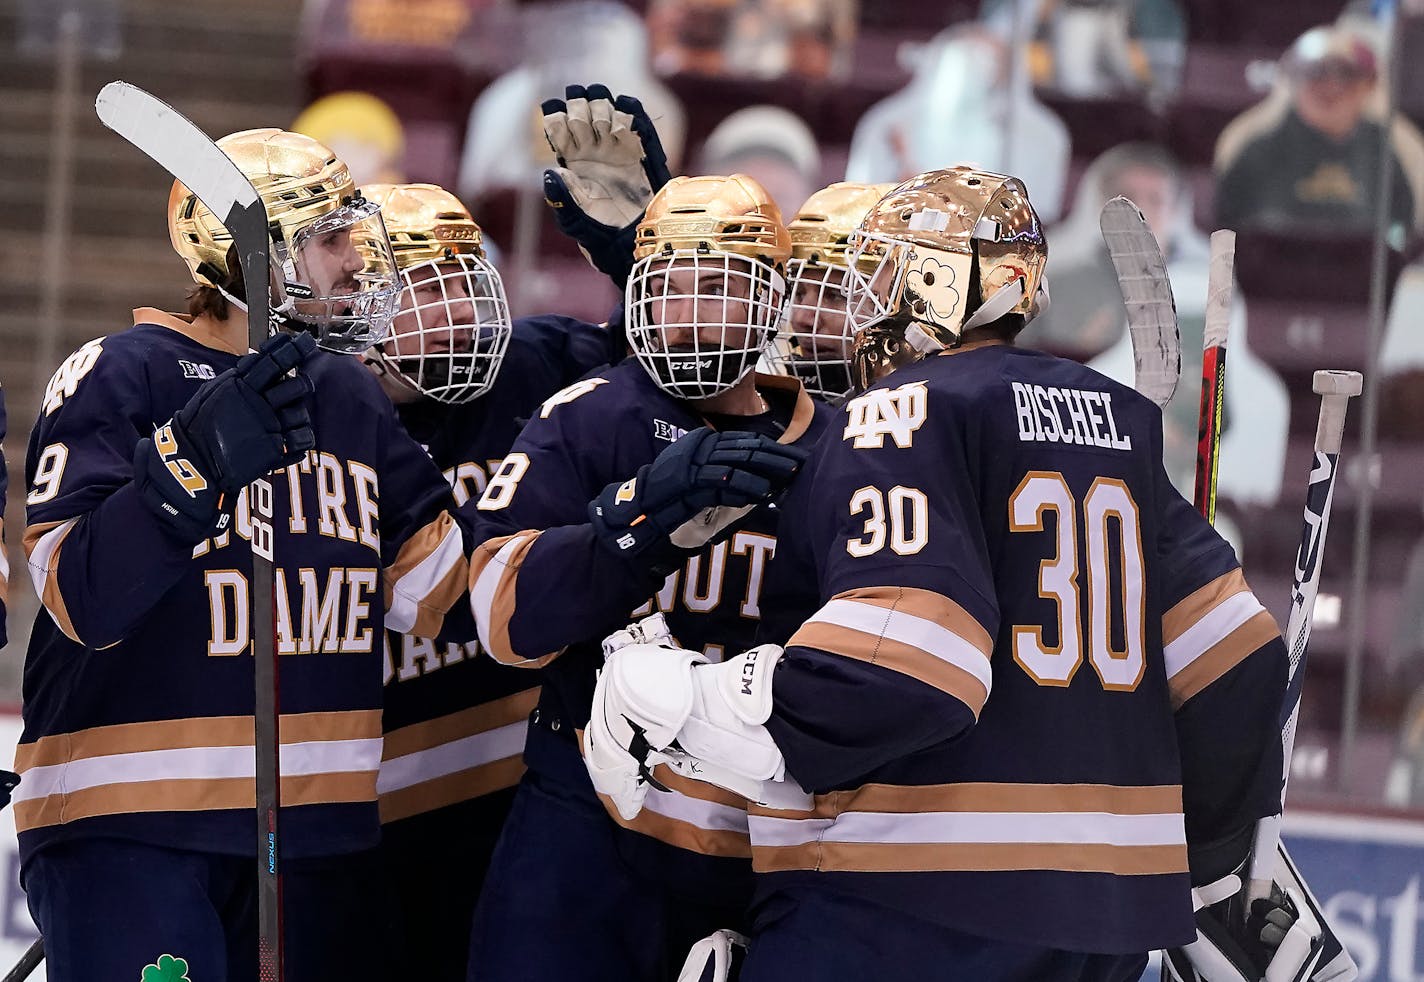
(456,726)
(494,573)
(992,797)
(1191,610)
(428,577)
(915,632)
(1126,830)
(683,826)
(201,732)
(859,857)
(451,789)
(42,542)
(184,795)
(1221,657)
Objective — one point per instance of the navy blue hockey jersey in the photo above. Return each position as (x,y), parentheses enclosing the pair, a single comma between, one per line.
(1035,674)
(545,592)
(454,720)
(138,687)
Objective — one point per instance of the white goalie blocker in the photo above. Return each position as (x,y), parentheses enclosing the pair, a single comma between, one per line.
(656,703)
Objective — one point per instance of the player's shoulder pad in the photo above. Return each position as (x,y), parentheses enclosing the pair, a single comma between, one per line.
(574,347)
(99,375)
(599,402)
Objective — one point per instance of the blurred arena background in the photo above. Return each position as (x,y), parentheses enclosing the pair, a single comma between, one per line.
(1277,117)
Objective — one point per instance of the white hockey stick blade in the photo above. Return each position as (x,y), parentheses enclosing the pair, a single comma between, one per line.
(173,140)
(1147,294)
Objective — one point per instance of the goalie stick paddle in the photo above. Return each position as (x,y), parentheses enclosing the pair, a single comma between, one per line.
(1213,381)
(188,154)
(1147,294)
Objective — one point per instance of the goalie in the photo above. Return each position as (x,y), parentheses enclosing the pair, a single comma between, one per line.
(1037,703)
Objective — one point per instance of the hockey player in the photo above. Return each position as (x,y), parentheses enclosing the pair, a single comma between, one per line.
(595,512)
(815,346)
(136,814)
(463,380)
(1037,703)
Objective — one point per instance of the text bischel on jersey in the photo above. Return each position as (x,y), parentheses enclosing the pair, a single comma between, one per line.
(1049,414)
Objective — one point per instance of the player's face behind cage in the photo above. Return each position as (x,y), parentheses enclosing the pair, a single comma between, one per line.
(345,288)
(698,321)
(815,332)
(890,286)
(449,338)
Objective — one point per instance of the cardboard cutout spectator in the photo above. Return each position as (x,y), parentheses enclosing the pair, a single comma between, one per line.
(809,39)
(1307,158)
(1087,316)
(961,106)
(568,43)
(1096,48)
(770,144)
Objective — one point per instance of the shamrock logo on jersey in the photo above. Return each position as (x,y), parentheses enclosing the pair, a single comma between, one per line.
(166,969)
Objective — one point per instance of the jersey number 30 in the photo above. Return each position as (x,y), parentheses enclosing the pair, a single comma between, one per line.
(1108,502)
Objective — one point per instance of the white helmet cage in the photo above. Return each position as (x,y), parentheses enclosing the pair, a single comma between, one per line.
(698,344)
(339,279)
(815,337)
(449,339)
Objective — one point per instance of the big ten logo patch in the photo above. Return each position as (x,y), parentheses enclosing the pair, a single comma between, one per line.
(896,413)
(197,370)
(663,430)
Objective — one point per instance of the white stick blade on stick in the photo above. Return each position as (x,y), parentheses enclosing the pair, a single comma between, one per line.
(1147,294)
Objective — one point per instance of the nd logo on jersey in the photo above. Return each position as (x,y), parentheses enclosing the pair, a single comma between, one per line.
(896,413)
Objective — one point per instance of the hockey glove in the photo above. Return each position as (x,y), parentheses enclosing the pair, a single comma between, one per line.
(660,704)
(611,163)
(694,491)
(247,422)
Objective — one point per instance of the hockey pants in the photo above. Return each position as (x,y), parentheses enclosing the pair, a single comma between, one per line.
(109,907)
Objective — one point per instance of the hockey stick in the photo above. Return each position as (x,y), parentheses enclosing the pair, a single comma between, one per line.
(34,954)
(28,962)
(1335,389)
(1147,294)
(1213,383)
(192,158)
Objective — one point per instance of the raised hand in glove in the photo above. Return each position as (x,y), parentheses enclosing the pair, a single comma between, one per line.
(692,493)
(611,163)
(247,422)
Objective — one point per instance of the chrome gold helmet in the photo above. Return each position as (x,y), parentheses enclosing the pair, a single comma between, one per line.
(450,335)
(814,342)
(708,283)
(944,252)
(333,269)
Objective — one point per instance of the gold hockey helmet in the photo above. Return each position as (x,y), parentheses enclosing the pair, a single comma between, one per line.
(814,342)
(944,252)
(449,338)
(708,283)
(425,222)
(332,259)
